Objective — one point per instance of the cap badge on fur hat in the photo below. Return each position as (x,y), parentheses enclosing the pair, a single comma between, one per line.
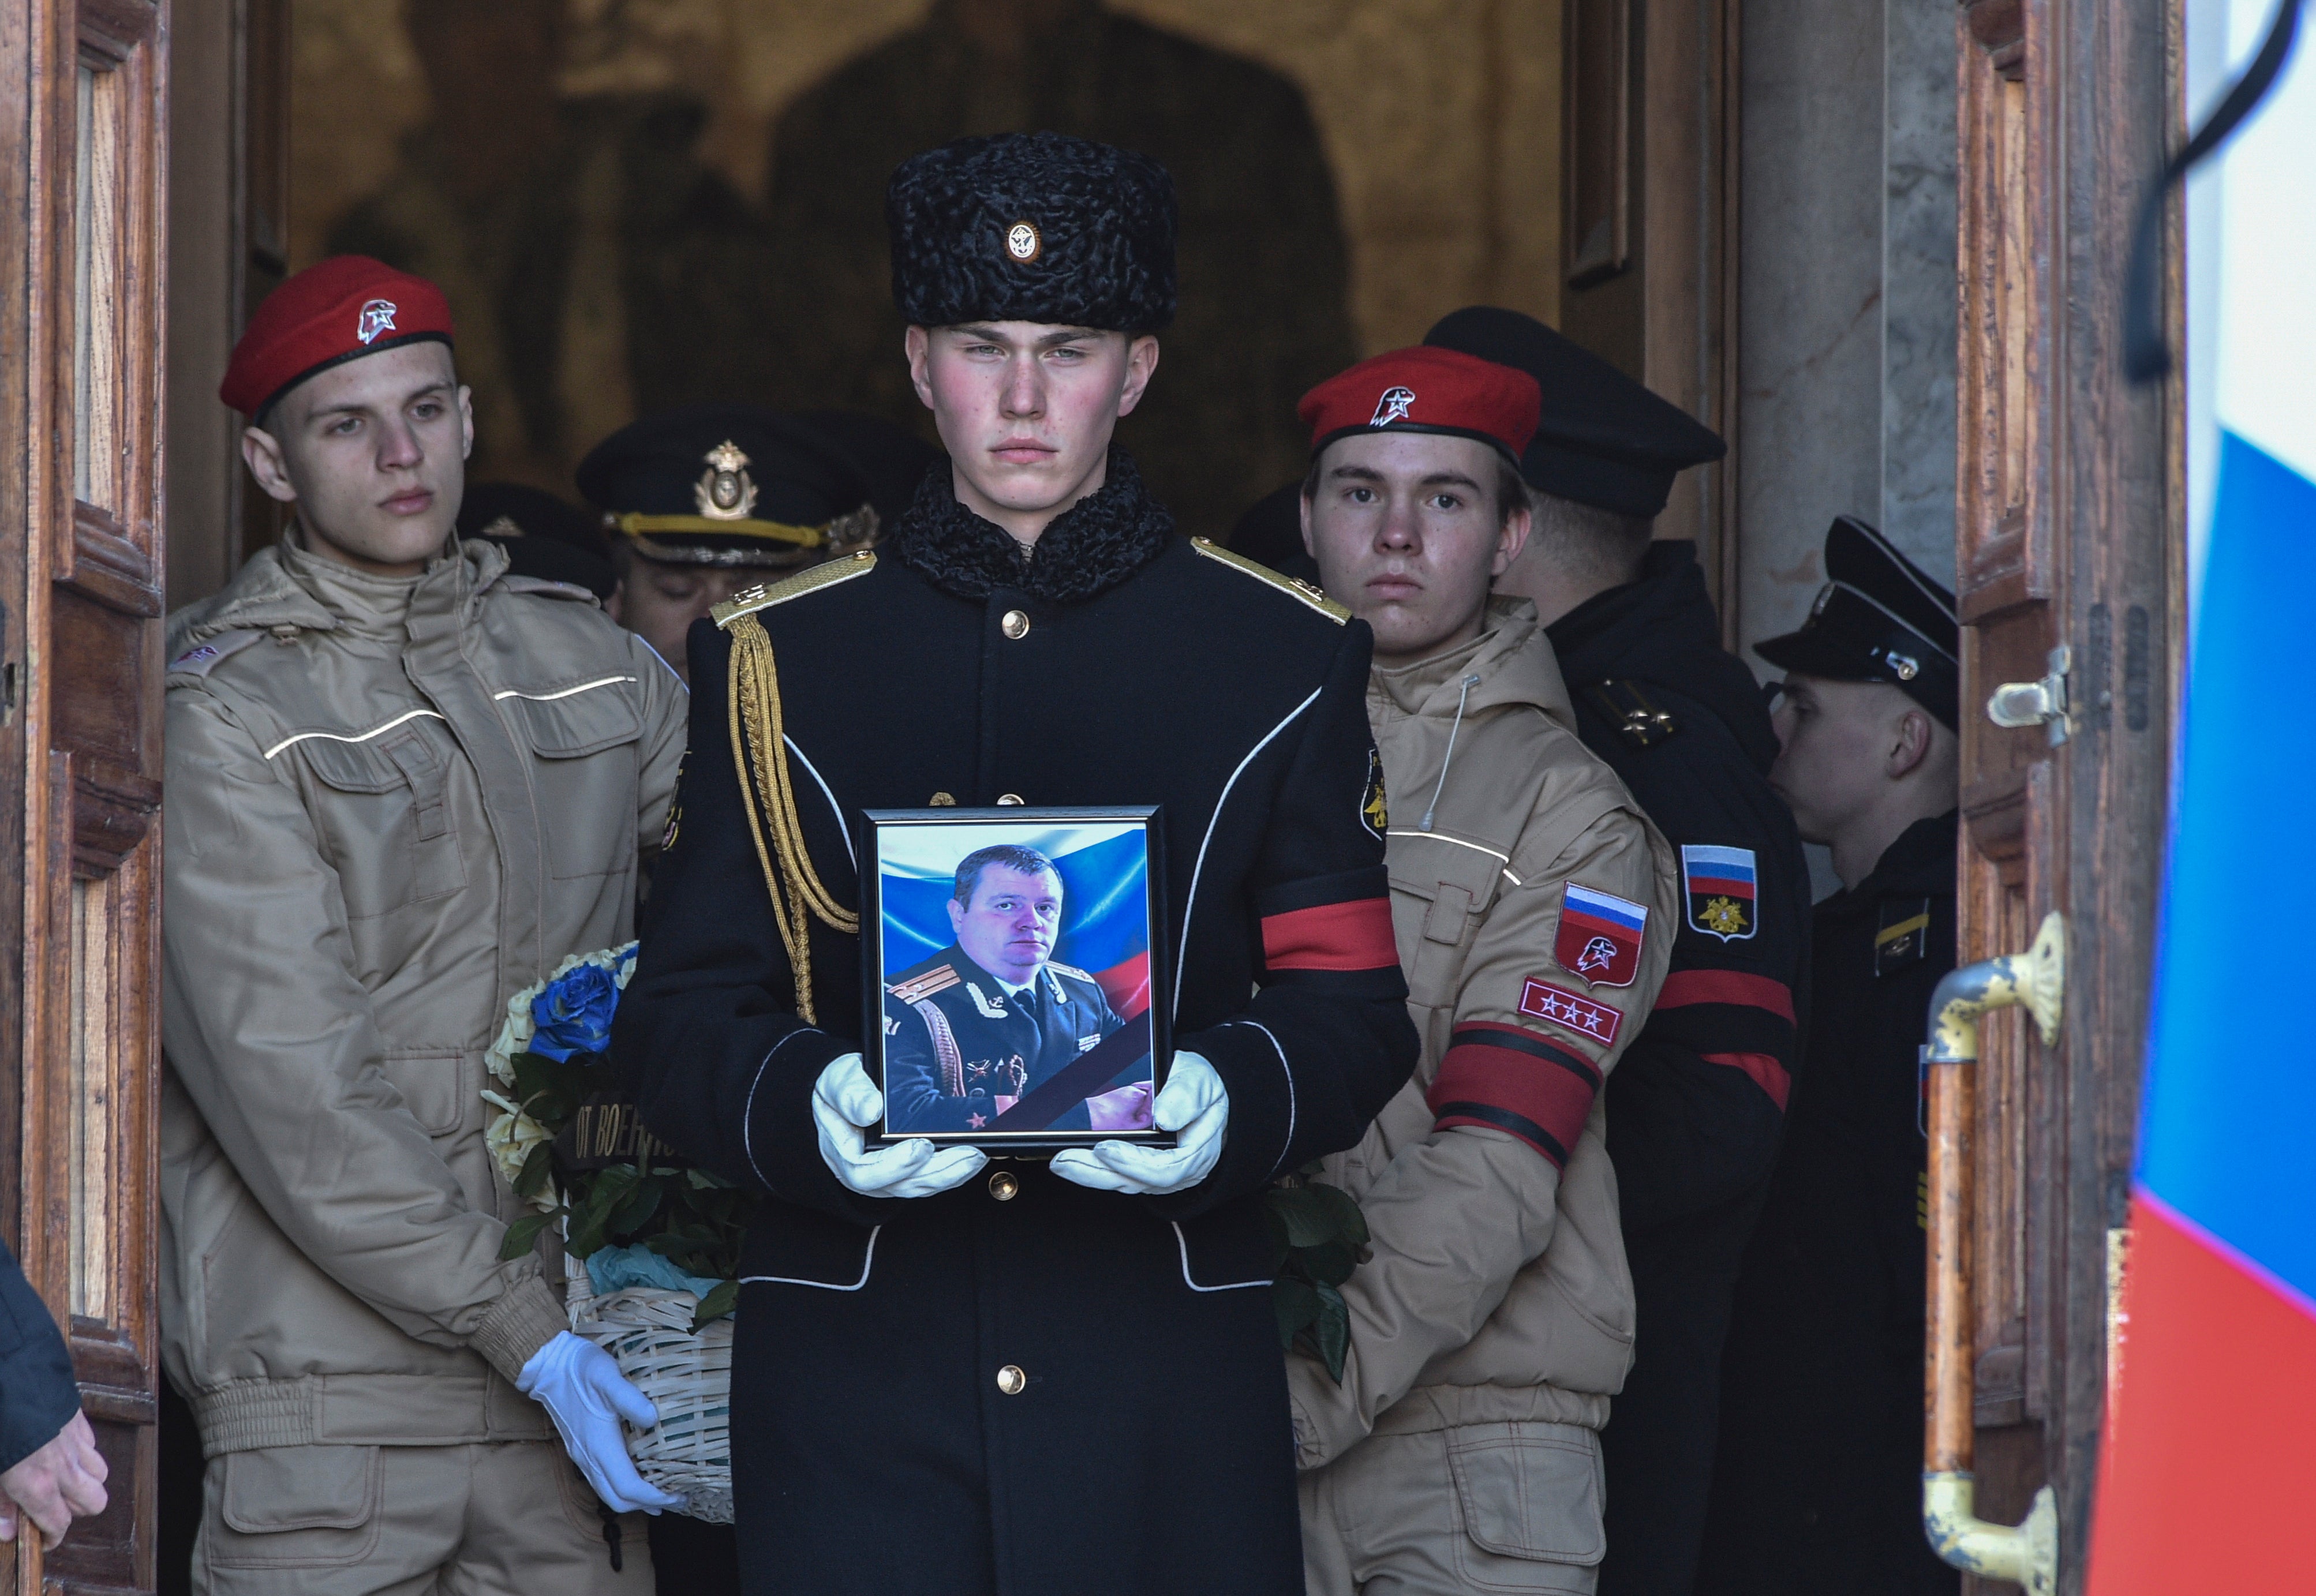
(1393,406)
(725,492)
(377,319)
(1024,243)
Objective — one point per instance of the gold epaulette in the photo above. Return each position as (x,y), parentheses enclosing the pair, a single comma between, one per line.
(1293,587)
(764,595)
(918,988)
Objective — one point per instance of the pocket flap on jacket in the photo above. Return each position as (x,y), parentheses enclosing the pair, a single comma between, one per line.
(350,766)
(570,723)
(436,1087)
(303,1488)
(1530,1490)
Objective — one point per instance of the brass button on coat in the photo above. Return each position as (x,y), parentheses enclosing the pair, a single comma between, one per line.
(1010,1379)
(1015,625)
(1003,1186)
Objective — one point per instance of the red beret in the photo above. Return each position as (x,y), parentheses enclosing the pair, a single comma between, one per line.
(333,311)
(1427,390)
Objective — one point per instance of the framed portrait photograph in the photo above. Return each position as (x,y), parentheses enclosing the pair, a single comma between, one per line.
(1012,965)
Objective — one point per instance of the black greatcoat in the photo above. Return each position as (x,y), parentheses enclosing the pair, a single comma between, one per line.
(1818,1487)
(1150,1450)
(1697,1104)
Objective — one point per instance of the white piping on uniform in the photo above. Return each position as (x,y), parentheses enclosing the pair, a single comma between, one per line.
(1454,726)
(1513,879)
(565,693)
(867,1262)
(1183,1243)
(1182,947)
(1460,842)
(407,715)
(1285,1069)
(748,1109)
(842,830)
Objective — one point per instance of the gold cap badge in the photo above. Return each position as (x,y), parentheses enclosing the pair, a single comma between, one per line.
(1023,241)
(725,492)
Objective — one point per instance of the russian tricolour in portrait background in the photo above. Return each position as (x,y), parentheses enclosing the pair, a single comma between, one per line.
(1010,974)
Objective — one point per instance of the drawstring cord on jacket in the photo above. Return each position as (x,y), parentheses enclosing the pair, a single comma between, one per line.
(1469,683)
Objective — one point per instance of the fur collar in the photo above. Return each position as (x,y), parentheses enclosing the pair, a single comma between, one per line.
(1087,549)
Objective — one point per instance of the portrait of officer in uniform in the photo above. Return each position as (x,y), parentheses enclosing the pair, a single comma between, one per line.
(971,1030)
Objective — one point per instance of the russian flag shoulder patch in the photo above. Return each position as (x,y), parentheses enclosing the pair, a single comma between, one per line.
(1721,888)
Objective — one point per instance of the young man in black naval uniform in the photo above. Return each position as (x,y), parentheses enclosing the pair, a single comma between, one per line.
(1046,1378)
(1818,1488)
(976,1026)
(1697,1105)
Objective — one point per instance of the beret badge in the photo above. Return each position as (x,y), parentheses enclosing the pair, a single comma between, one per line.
(1393,406)
(724,492)
(1023,242)
(376,320)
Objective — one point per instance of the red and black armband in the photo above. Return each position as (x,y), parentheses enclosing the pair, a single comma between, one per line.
(1517,1082)
(1731,1018)
(1332,932)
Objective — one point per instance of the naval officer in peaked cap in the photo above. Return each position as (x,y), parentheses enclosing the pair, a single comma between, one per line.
(1817,1481)
(1041,1376)
(701,502)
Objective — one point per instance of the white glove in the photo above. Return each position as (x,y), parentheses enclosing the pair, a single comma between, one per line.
(1193,1104)
(586,1395)
(843,1100)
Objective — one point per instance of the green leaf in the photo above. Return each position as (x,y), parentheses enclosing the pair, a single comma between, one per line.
(523,1232)
(721,1299)
(631,1215)
(537,1164)
(702,1181)
(1328,1264)
(1308,1218)
(1297,1304)
(1348,1224)
(1333,1331)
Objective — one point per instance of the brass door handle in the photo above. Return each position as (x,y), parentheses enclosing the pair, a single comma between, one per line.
(2025,1553)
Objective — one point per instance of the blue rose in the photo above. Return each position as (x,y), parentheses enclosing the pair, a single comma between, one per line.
(573,1014)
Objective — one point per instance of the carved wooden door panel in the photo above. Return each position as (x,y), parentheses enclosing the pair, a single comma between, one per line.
(2065,576)
(82,164)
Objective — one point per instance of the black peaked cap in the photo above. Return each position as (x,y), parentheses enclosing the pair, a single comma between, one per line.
(535,513)
(891,460)
(670,486)
(1603,439)
(1880,618)
(1033,227)
(544,536)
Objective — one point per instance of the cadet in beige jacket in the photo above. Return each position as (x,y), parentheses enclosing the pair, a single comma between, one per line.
(1533,907)
(401,786)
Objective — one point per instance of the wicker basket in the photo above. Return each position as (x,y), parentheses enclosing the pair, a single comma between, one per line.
(688,1377)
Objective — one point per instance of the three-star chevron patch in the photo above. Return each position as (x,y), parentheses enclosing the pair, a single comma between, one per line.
(1721,888)
(1599,936)
(1541,1000)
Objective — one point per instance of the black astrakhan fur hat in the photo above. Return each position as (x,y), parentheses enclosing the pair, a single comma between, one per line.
(1033,227)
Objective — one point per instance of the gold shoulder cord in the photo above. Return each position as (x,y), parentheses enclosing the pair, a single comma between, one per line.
(795,887)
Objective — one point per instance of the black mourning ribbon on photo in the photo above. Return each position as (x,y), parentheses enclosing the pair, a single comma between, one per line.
(2145,356)
(1078,1080)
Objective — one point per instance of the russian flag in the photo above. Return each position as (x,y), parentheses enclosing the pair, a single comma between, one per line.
(1725,871)
(2208,1461)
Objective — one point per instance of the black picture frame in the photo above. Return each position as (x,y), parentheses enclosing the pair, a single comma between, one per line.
(972,1040)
